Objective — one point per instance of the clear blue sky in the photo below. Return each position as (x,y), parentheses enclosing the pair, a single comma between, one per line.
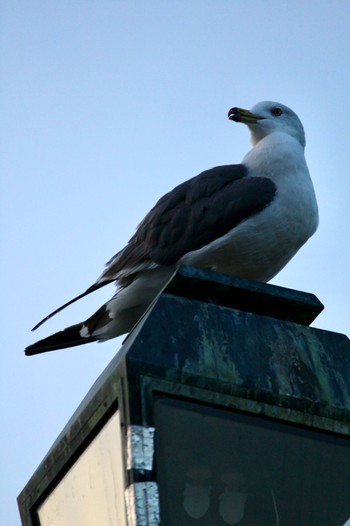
(106,105)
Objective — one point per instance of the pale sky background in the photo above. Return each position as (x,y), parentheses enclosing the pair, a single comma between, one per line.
(105,106)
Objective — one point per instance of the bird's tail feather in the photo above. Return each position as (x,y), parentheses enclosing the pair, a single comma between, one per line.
(69,337)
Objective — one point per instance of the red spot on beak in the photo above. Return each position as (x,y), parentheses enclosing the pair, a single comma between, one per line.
(234,115)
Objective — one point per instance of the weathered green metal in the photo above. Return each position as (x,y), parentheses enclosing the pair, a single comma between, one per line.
(256,358)
(245,295)
(221,340)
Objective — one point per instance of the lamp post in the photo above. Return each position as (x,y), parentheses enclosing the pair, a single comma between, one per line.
(222,407)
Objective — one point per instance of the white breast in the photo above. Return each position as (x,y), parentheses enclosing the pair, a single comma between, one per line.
(259,247)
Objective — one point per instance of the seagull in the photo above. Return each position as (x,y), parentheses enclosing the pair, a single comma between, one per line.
(246,219)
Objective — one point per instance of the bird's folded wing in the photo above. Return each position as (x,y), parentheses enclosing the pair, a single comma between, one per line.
(191,216)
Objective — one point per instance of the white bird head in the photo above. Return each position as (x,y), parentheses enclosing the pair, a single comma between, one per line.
(269,117)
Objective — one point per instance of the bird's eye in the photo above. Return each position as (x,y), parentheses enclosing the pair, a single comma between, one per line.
(277,112)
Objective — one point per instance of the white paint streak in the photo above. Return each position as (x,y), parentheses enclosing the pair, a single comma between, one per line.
(140,447)
(142,504)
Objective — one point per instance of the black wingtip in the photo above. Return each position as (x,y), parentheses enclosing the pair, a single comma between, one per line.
(44,320)
(88,291)
(69,337)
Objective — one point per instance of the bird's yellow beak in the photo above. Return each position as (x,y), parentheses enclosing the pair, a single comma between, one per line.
(241,115)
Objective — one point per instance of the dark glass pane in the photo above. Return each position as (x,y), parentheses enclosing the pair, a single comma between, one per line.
(217,467)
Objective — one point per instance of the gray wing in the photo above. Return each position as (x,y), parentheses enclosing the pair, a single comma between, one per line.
(192,215)
(189,217)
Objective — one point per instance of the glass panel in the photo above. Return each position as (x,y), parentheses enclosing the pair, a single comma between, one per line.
(217,467)
(92,492)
